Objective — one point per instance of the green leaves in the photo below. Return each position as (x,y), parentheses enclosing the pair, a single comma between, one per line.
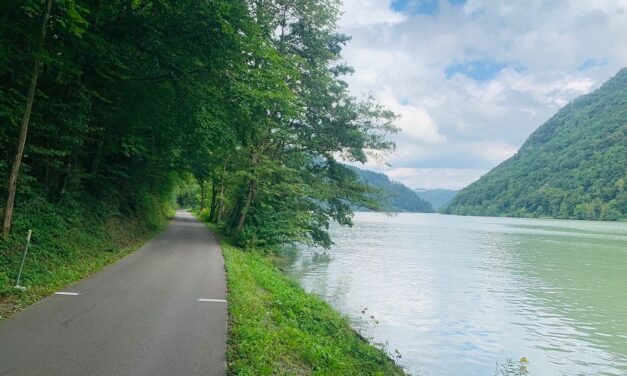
(135,4)
(573,166)
(293,115)
(245,95)
(72,17)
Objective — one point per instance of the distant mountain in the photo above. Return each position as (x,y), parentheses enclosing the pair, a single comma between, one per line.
(438,198)
(399,198)
(573,166)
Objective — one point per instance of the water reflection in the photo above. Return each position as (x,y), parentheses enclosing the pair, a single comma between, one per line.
(456,294)
(580,293)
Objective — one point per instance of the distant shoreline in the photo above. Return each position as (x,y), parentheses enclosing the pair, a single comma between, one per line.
(620,220)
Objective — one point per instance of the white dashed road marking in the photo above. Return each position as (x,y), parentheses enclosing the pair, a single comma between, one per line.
(212,300)
(66,293)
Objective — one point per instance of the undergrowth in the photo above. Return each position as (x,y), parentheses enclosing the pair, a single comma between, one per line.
(276,328)
(70,241)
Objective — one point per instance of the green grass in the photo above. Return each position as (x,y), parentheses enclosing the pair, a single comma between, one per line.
(276,328)
(70,241)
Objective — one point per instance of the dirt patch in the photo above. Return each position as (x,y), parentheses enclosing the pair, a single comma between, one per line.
(8,306)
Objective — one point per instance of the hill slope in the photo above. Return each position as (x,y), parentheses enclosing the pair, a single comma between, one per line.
(438,198)
(573,166)
(399,198)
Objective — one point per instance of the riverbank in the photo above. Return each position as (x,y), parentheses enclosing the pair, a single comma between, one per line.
(504,215)
(468,292)
(69,242)
(275,327)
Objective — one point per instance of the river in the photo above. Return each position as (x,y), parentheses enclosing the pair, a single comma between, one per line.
(454,295)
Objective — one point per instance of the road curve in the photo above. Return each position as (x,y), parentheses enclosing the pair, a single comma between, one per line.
(139,316)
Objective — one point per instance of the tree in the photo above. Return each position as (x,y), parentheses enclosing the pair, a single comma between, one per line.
(30,97)
(573,166)
(246,96)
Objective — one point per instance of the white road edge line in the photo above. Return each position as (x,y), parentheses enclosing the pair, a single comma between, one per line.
(212,300)
(66,293)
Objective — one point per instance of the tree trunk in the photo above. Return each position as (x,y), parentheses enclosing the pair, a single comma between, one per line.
(221,203)
(247,203)
(8,210)
(252,189)
(203,195)
(95,161)
(214,198)
(67,172)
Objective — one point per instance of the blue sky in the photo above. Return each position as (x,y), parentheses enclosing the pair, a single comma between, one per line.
(415,7)
(472,79)
(480,70)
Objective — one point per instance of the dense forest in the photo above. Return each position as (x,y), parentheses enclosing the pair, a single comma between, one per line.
(112,107)
(438,198)
(393,196)
(573,166)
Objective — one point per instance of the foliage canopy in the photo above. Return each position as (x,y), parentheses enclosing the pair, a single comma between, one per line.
(243,96)
(573,166)
(395,196)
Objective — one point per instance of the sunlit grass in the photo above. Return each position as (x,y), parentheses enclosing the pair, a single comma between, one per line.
(275,327)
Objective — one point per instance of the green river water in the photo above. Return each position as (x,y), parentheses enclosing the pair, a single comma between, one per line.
(457,294)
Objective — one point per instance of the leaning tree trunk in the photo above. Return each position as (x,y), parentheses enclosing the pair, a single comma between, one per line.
(8,209)
(249,199)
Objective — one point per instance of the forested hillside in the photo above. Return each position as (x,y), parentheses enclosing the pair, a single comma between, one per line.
(120,102)
(438,198)
(573,166)
(394,196)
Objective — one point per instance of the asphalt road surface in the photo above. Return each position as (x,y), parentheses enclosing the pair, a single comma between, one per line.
(140,316)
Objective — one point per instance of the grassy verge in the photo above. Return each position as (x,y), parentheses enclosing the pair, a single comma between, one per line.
(276,328)
(69,243)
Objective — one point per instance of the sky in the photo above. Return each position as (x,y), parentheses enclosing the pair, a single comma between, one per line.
(471,79)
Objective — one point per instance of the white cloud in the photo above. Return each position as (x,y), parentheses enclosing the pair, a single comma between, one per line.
(414,122)
(431,178)
(368,13)
(550,51)
(491,152)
